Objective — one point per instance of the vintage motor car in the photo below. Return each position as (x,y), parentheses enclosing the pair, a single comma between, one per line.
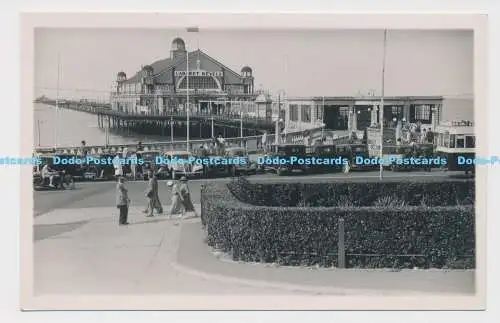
(178,164)
(247,167)
(95,170)
(324,151)
(401,152)
(285,152)
(149,159)
(352,152)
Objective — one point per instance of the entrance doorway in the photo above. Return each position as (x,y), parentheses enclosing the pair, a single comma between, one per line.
(364,117)
(335,117)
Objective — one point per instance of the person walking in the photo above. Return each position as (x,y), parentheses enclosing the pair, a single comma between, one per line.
(185,195)
(263,141)
(176,208)
(122,200)
(117,163)
(133,165)
(152,195)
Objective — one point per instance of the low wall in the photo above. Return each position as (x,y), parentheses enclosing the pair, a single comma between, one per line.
(364,236)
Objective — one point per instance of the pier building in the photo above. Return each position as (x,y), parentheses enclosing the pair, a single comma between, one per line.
(165,86)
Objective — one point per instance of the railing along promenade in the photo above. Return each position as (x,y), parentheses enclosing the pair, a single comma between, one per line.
(104,109)
(251,144)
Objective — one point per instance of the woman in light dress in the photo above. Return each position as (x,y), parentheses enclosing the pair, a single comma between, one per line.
(186,196)
(181,198)
(176,209)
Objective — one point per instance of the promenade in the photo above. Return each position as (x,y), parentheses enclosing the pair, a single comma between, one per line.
(80,249)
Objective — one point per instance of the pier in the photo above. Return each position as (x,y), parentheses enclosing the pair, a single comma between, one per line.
(171,124)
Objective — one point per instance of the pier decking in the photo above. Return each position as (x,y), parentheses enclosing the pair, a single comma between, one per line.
(174,124)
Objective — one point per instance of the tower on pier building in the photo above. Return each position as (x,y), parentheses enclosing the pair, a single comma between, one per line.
(162,86)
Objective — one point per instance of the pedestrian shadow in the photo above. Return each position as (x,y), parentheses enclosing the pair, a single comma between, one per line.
(45,231)
(48,189)
(165,218)
(145,221)
(461,176)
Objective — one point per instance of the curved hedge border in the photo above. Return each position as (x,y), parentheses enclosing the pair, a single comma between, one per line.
(405,237)
(355,193)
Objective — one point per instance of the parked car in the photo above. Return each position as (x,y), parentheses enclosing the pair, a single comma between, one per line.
(324,151)
(177,163)
(149,158)
(352,152)
(247,166)
(284,152)
(392,153)
(95,170)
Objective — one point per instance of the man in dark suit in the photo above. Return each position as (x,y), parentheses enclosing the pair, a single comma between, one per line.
(122,200)
(153,196)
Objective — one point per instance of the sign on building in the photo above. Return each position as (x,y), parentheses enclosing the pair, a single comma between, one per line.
(199,73)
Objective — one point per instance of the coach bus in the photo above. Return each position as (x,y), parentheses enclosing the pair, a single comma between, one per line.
(456,141)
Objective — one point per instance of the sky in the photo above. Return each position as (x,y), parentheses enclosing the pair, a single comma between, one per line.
(298,62)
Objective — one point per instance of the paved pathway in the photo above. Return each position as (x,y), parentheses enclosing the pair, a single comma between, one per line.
(84,251)
(79,248)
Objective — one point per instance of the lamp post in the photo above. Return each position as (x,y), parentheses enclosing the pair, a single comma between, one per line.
(322,121)
(241,119)
(382,107)
(277,131)
(57,100)
(38,128)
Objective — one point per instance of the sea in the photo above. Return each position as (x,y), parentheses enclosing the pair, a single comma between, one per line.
(74,126)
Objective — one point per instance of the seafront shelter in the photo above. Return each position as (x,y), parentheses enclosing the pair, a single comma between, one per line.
(359,113)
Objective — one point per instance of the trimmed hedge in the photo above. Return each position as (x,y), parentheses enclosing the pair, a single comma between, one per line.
(375,237)
(355,193)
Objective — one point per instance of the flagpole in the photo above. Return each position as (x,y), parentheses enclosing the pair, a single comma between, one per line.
(187,100)
(57,101)
(189,30)
(382,108)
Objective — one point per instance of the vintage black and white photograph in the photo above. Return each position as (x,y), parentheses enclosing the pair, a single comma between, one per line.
(256,162)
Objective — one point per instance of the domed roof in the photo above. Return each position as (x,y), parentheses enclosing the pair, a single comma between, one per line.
(246,69)
(263,98)
(147,68)
(178,43)
(122,74)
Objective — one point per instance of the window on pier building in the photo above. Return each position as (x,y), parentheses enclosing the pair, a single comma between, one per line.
(470,142)
(423,113)
(460,141)
(397,112)
(282,114)
(294,112)
(199,82)
(305,113)
(319,111)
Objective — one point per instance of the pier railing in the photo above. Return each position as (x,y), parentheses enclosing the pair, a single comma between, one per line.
(105,109)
